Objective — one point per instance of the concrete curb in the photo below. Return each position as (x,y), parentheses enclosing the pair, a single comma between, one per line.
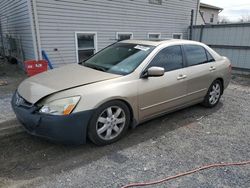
(10,127)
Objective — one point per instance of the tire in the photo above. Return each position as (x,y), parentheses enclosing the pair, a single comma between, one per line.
(109,123)
(13,60)
(213,95)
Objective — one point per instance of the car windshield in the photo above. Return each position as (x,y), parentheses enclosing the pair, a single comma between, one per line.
(119,58)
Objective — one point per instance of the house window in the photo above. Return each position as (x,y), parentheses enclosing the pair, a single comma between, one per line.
(154,36)
(157,2)
(86,45)
(177,36)
(123,36)
(212,18)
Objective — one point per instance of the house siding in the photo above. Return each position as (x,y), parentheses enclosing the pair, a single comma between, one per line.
(59,20)
(16,24)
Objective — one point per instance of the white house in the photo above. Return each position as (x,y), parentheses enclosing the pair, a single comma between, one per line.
(71,30)
(208,14)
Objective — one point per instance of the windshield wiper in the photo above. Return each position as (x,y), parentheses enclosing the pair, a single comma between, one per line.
(96,67)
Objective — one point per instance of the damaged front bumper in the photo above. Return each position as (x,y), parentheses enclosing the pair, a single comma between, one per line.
(70,129)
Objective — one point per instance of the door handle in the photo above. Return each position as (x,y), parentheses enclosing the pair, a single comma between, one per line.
(181,77)
(212,68)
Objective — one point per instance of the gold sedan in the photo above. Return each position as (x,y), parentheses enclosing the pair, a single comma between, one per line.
(123,85)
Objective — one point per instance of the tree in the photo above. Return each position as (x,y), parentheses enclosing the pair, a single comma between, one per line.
(223,20)
(245,18)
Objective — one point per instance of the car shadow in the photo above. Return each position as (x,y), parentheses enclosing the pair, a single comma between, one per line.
(25,157)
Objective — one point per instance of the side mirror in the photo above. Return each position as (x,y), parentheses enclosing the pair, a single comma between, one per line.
(153,72)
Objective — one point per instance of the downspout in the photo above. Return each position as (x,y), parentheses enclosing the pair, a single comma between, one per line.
(191,25)
(201,32)
(37,30)
(32,29)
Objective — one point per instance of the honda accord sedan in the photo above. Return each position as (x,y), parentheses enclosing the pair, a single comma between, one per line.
(121,86)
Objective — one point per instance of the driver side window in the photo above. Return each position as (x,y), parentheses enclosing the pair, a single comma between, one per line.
(169,58)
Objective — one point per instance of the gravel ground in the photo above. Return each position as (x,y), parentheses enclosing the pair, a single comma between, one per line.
(11,75)
(6,111)
(165,146)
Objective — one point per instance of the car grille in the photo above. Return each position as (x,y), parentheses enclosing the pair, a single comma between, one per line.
(20,101)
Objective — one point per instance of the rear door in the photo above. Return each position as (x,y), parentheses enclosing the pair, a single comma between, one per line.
(200,69)
(159,94)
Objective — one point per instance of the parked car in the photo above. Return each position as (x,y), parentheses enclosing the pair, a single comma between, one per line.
(123,85)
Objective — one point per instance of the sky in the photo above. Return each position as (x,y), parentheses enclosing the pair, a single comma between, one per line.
(233,9)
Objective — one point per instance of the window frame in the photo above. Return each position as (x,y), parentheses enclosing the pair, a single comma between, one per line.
(181,34)
(85,33)
(154,34)
(208,53)
(185,55)
(155,2)
(182,53)
(124,33)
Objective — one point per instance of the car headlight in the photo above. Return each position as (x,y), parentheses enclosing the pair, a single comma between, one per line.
(60,106)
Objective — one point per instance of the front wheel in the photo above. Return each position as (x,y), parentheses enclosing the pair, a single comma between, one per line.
(213,95)
(109,123)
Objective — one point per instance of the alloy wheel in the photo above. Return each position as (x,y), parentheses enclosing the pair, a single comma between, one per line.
(214,94)
(110,123)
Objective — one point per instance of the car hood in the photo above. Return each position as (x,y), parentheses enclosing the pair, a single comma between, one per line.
(70,76)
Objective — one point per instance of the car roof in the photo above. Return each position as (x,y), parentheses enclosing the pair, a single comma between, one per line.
(158,42)
(170,42)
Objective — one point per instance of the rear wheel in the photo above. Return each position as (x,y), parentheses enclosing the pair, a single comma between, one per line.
(109,123)
(213,95)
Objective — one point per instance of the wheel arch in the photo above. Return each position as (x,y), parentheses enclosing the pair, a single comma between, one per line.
(222,82)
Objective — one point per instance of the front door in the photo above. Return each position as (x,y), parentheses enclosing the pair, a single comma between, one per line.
(160,94)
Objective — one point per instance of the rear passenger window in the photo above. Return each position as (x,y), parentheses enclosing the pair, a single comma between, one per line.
(169,58)
(195,55)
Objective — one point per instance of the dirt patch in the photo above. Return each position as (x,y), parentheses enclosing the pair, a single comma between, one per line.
(243,80)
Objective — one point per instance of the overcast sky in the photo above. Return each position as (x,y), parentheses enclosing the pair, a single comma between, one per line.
(233,9)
